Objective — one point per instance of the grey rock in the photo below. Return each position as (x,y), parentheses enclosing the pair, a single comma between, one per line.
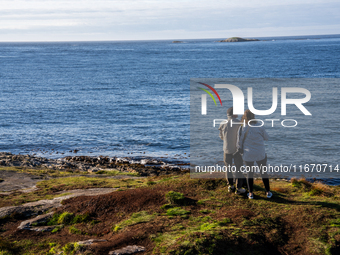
(42,206)
(93,169)
(91,241)
(27,224)
(131,249)
(29,209)
(44,228)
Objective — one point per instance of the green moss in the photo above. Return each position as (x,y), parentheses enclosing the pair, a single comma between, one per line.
(225,222)
(208,226)
(71,248)
(81,218)
(74,230)
(65,218)
(335,223)
(174,197)
(24,246)
(136,218)
(166,206)
(206,211)
(177,211)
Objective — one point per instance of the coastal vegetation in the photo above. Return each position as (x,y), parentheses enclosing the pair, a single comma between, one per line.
(179,215)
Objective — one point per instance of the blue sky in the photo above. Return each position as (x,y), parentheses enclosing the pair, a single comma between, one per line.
(89,20)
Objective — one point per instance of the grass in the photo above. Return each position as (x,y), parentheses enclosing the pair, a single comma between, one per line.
(26,247)
(313,189)
(81,182)
(264,224)
(54,173)
(301,218)
(43,172)
(115,173)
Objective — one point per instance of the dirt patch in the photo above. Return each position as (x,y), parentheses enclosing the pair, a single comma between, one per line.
(127,201)
(239,213)
(136,235)
(16,181)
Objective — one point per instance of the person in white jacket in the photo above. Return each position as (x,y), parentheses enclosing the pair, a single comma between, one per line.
(228,133)
(251,141)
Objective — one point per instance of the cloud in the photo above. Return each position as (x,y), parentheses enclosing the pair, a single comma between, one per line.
(145,19)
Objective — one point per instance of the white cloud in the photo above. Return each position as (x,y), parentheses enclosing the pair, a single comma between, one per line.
(150,19)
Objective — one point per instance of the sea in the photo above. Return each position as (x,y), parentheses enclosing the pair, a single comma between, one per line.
(132,98)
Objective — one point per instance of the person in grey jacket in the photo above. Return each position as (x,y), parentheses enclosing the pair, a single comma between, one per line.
(228,133)
(251,141)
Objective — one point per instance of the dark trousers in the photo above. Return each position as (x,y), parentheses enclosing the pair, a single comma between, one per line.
(228,161)
(250,175)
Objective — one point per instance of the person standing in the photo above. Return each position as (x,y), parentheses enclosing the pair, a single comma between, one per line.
(251,142)
(228,133)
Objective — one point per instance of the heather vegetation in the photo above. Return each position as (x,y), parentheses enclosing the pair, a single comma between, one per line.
(179,215)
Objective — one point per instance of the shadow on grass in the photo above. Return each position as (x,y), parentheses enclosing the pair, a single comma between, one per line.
(282,199)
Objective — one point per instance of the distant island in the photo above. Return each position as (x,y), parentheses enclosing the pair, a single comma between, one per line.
(177,42)
(238,39)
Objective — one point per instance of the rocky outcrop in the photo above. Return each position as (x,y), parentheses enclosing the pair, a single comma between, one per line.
(29,209)
(238,39)
(131,249)
(91,241)
(27,224)
(42,206)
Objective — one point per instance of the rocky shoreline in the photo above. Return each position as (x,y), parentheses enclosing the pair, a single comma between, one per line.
(144,166)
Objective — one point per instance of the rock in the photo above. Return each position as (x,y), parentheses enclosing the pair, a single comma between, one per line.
(29,209)
(44,228)
(27,224)
(238,39)
(131,170)
(131,249)
(93,169)
(91,241)
(144,161)
(134,162)
(42,206)
(171,166)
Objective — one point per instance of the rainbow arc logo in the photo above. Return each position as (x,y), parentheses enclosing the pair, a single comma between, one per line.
(204,97)
(209,93)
